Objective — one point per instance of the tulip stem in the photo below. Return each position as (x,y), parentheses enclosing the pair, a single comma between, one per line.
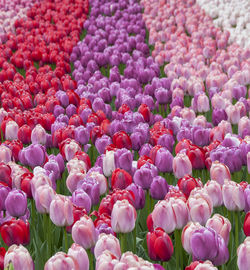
(123,242)
(48,235)
(236,218)
(134,236)
(176,237)
(91,259)
(65,239)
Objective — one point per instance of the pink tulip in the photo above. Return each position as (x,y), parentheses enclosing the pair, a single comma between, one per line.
(106,261)
(84,232)
(219,172)
(200,206)
(73,179)
(5,153)
(19,257)
(233,196)
(214,191)
(200,120)
(11,130)
(43,197)
(76,165)
(70,149)
(39,180)
(38,135)
(182,165)
(248,162)
(108,163)
(187,234)
(203,103)
(243,253)
(80,255)
(243,125)
(233,114)
(61,261)
(107,242)
(61,211)
(221,225)
(101,179)
(123,217)
(188,114)
(170,214)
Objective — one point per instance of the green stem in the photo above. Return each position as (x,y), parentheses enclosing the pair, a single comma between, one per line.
(123,242)
(134,237)
(236,218)
(91,259)
(176,236)
(165,265)
(65,240)
(48,235)
(148,207)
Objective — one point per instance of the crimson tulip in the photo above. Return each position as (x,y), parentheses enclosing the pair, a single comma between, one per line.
(15,231)
(246,225)
(187,183)
(120,179)
(122,140)
(160,246)
(2,254)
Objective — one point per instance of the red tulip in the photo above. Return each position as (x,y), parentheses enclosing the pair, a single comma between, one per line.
(24,134)
(78,212)
(196,156)
(143,160)
(187,183)
(160,246)
(15,232)
(246,226)
(25,183)
(120,179)
(145,112)
(5,174)
(122,140)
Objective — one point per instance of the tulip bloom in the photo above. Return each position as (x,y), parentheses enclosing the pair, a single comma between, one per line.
(181,165)
(243,253)
(214,190)
(61,261)
(15,232)
(61,211)
(160,246)
(19,257)
(200,206)
(123,217)
(80,255)
(38,135)
(84,232)
(219,172)
(107,242)
(16,203)
(246,225)
(221,225)
(122,140)
(187,183)
(170,214)
(120,179)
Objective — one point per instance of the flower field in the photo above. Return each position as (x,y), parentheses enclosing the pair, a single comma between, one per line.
(125,135)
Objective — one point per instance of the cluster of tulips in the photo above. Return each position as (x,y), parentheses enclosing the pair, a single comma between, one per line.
(125,138)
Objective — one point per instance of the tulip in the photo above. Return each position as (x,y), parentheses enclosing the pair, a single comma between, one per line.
(214,190)
(206,244)
(80,255)
(81,199)
(243,250)
(120,179)
(19,257)
(4,191)
(139,195)
(11,130)
(2,254)
(84,232)
(73,179)
(107,242)
(61,211)
(200,206)
(123,217)
(38,135)
(91,187)
(160,246)
(16,203)
(221,225)
(187,183)
(61,261)
(106,261)
(108,163)
(144,177)
(164,160)
(186,235)
(101,180)
(219,172)
(201,265)
(246,225)
(5,154)
(181,165)
(5,174)
(24,134)
(43,197)
(159,188)
(122,140)
(15,232)
(69,148)
(123,159)
(170,214)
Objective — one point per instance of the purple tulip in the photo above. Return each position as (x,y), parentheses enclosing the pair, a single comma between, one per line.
(159,188)
(81,199)
(139,195)
(16,203)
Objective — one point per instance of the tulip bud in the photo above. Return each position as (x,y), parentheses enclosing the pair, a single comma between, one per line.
(243,253)
(219,172)
(16,203)
(123,217)
(61,261)
(61,211)
(80,255)
(181,165)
